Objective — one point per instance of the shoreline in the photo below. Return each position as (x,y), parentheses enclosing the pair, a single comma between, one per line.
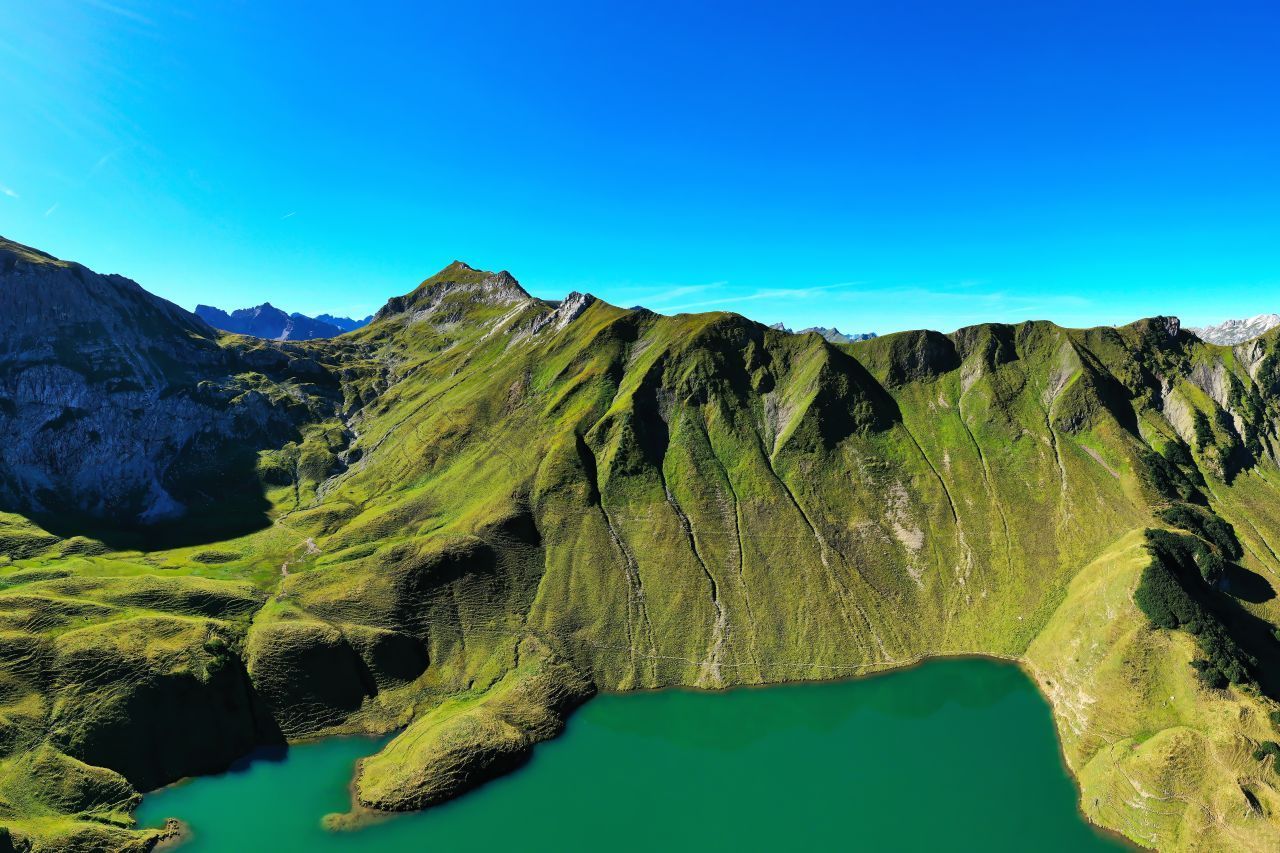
(358,817)
(916,662)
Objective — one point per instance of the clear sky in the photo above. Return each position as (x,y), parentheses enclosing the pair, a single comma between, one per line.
(869,165)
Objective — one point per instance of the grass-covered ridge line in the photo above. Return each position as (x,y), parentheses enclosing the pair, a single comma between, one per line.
(483,506)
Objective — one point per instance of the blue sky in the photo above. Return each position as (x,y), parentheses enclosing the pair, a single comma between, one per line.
(874,166)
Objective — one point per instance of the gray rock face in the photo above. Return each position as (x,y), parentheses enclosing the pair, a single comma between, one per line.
(113,402)
(1231,332)
(564,313)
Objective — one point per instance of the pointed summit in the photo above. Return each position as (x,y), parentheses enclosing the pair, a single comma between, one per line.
(454,291)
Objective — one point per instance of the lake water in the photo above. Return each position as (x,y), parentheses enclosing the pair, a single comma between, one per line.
(953,755)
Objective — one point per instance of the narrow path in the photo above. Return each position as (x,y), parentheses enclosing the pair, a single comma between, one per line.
(310,550)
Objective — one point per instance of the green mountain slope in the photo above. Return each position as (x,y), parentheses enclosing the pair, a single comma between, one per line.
(482,507)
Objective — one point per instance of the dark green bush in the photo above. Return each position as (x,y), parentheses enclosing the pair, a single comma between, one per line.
(1163,598)
(1222,420)
(1205,525)
(1210,676)
(1204,432)
(1165,478)
(1268,374)
(1179,454)
(1268,747)
(1212,567)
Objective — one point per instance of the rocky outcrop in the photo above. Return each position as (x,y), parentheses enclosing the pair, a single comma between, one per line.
(564,313)
(113,402)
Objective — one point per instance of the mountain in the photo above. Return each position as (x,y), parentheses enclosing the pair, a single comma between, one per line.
(346,324)
(832,335)
(268,321)
(113,402)
(483,507)
(1230,332)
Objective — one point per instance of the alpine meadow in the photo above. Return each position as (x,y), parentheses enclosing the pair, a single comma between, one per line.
(462,520)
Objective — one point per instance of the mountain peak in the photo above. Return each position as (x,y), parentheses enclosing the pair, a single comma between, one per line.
(268,321)
(831,335)
(1230,332)
(458,285)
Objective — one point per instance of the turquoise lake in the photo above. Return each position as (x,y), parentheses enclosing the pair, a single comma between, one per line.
(956,754)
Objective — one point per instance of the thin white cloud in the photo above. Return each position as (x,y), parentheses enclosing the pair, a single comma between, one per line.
(769,293)
(290,213)
(866,307)
(10,193)
(121,11)
(661,296)
(104,160)
(677,291)
(52,208)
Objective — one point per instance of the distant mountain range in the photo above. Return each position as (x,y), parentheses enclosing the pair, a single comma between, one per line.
(833,334)
(346,324)
(1237,331)
(268,321)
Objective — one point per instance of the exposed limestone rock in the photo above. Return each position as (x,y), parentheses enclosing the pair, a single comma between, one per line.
(106,403)
(565,313)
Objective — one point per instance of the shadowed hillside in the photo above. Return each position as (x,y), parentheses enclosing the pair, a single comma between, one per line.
(483,507)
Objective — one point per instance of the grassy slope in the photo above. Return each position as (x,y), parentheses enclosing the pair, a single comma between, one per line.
(1159,759)
(650,501)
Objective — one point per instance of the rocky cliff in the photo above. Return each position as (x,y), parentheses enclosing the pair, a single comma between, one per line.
(120,407)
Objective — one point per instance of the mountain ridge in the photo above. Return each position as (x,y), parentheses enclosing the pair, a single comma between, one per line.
(483,507)
(1231,332)
(272,323)
(832,335)
(346,324)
